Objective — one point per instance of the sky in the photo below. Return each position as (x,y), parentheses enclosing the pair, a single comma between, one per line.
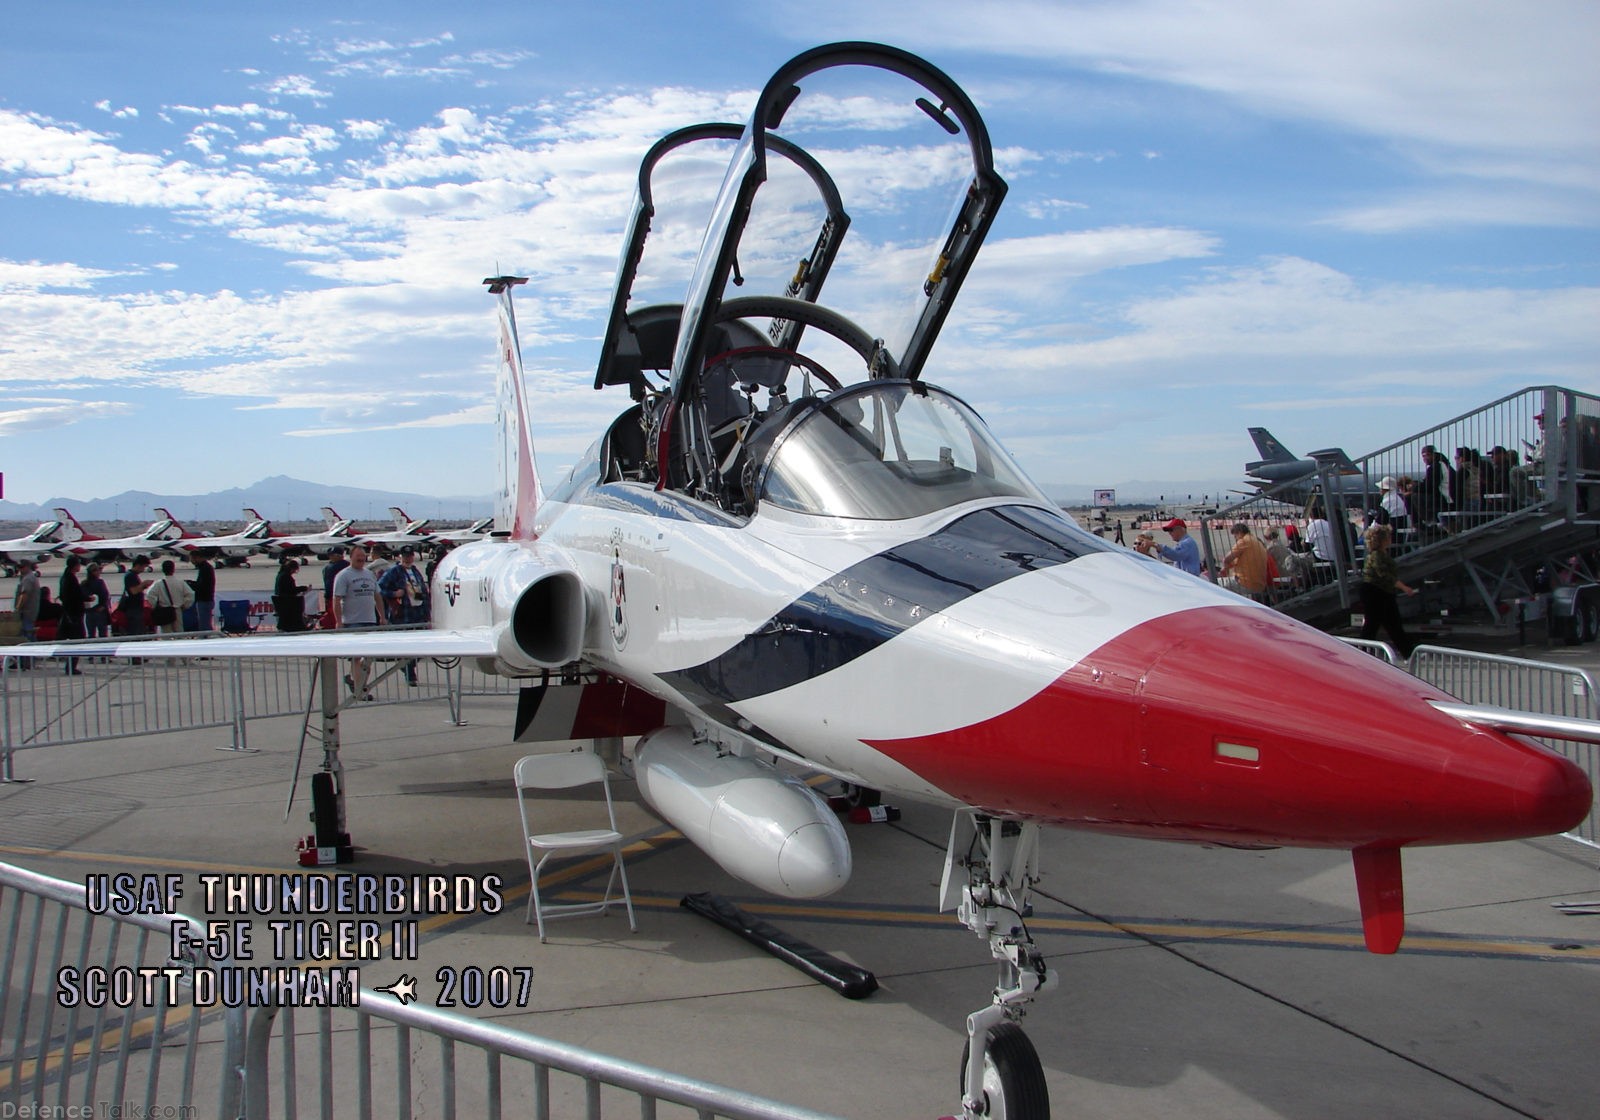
(241,241)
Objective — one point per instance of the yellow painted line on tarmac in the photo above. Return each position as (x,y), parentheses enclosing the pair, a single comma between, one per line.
(1165,932)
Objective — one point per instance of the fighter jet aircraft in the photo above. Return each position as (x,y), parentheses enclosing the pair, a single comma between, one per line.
(254,537)
(161,535)
(338,534)
(1294,480)
(807,554)
(45,539)
(407,530)
(477,531)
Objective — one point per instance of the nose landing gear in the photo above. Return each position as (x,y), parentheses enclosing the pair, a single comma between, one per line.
(1001,1076)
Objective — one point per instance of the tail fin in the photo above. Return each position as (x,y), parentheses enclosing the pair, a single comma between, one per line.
(331,516)
(401,518)
(1271,450)
(71,530)
(174,524)
(252,515)
(520,494)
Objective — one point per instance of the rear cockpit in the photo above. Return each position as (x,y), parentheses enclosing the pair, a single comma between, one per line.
(739,390)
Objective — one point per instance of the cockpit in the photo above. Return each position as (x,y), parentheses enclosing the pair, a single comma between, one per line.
(883,450)
(736,405)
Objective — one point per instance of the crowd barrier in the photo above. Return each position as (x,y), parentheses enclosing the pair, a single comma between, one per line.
(378,1056)
(43,706)
(1525,686)
(87,1061)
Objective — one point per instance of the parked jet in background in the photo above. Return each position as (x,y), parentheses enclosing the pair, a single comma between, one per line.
(477,531)
(407,531)
(37,545)
(161,535)
(850,574)
(1278,465)
(339,533)
(253,538)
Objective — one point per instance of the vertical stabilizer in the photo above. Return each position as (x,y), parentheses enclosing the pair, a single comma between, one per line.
(519,493)
(331,516)
(71,531)
(1270,449)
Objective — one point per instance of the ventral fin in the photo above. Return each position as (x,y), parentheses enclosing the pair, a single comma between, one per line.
(1382,892)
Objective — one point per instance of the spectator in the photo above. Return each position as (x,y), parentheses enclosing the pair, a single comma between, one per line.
(26,599)
(96,604)
(405,595)
(1527,480)
(169,595)
(1380,580)
(1183,551)
(1319,534)
(1391,509)
(336,564)
(1497,475)
(1245,568)
(132,605)
(205,592)
(1468,492)
(1289,563)
(288,598)
(356,604)
(1433,492)
(69,594)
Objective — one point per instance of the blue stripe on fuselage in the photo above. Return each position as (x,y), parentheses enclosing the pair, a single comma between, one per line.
(868,603)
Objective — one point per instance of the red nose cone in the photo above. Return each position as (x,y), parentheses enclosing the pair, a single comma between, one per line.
(1237,724)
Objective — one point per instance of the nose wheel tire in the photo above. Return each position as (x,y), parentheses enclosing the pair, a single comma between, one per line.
(1013,1078)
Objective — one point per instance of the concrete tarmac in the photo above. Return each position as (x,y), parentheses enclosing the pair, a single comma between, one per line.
(1195,982)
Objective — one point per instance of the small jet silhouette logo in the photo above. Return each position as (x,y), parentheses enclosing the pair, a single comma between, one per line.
(403,989)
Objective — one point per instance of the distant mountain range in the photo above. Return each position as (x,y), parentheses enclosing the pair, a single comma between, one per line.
(280,499)
(289,500)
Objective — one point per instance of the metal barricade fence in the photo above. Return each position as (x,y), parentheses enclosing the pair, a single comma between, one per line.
(447,1064)
(1527,686)
(1383,651)
(62,1056)
(255,1063)
(41,705)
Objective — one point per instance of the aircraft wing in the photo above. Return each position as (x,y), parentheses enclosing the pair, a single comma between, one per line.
(366,642)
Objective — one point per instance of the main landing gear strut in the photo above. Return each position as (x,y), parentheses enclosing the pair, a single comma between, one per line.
(1001,1076)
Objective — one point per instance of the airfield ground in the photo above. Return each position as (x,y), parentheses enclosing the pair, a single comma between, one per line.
(1195,982)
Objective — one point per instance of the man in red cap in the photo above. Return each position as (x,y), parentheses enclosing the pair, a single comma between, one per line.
(1183,551)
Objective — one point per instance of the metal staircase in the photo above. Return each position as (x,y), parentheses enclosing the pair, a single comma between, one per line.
(1543,509)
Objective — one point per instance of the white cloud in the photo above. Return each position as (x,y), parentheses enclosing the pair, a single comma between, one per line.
(26,414)
(1297,319)
(365,130)
(35,276)
(1475,88)
(296,85)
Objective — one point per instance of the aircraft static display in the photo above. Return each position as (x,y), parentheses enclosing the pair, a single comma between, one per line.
(851,575)
(479,530)
(161,535)
(46,538)
(338,534)
(252,538)
(407,530)
(1278,465)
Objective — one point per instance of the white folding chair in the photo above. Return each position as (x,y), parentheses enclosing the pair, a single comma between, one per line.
(565,771)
